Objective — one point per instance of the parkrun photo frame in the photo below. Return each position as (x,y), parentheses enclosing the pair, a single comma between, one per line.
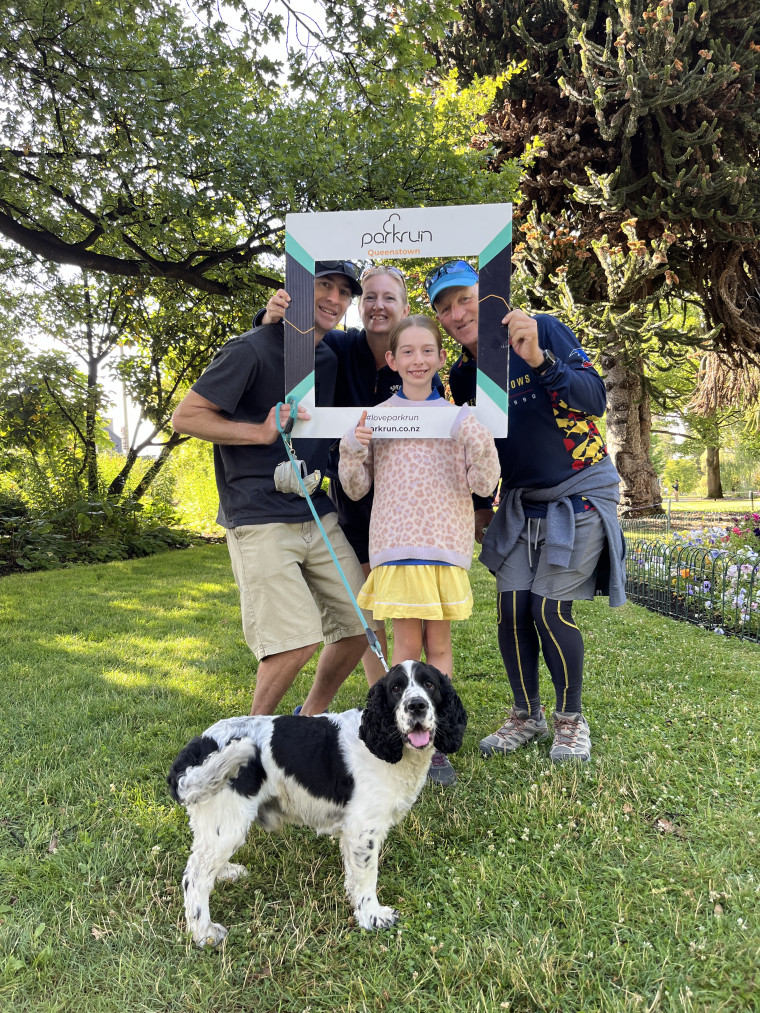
(445,233)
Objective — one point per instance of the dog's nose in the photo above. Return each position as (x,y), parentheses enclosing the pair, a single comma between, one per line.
(417,706)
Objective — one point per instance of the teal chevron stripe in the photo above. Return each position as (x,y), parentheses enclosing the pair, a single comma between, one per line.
(496,245)
(497,394)
(298,253)
(303,387)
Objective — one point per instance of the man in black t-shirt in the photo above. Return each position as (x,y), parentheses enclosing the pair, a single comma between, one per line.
(290,591)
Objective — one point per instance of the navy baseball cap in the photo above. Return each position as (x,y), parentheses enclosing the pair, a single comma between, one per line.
(449,275)
(345,267)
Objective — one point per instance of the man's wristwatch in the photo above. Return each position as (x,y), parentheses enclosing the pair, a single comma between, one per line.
(549,360)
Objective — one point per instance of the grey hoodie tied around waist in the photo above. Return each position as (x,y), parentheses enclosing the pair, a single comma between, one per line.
(600,484)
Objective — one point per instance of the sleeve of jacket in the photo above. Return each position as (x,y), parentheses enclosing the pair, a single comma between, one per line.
(481,459)
(356,468)
(573,377)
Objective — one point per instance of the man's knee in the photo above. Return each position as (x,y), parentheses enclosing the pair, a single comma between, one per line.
(285,661)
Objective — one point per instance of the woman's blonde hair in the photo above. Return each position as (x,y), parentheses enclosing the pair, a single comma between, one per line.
(418,320)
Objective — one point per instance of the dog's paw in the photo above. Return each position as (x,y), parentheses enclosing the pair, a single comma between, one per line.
(230,872)
(378,917)
(210,935)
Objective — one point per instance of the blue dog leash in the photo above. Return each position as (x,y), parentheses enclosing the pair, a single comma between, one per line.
(284,432)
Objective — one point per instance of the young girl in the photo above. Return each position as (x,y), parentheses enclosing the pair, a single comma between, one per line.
(421,532)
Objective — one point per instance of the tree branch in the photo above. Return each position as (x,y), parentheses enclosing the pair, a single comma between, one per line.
(48,246)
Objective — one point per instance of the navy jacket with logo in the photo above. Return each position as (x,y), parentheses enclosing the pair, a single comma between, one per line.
(552,433)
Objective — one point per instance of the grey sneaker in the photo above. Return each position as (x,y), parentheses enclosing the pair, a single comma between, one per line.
(572,739)
(518,730)
(441,770)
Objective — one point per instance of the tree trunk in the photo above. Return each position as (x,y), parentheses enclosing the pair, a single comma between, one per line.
(116,487)
(629,429)
(91,421)
(714,485)
(142,486)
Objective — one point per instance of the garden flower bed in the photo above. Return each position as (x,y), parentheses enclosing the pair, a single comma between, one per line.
(707,575)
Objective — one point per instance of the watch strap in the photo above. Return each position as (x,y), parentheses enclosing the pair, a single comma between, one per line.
(550,359)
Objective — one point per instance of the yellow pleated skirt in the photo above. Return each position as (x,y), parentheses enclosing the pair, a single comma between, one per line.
(418,591)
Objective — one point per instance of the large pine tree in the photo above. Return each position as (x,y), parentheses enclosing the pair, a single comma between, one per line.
(641,120)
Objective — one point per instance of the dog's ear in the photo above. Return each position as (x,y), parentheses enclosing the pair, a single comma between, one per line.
(451,719)
(378,728)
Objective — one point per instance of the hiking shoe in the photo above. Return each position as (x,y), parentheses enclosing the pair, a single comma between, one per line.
(518,730)
(572,739)
(441,770)
(297,710)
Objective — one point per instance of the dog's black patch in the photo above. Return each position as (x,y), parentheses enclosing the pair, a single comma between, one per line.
(307,749)
(249,778)
(193,755)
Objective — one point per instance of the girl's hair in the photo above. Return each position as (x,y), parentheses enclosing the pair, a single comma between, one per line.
(415,321)
(393,272)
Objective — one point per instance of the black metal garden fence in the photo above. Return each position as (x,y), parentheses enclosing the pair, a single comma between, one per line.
(689,577)
(662,525)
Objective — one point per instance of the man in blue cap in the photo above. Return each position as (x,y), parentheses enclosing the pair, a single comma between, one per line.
(555,538)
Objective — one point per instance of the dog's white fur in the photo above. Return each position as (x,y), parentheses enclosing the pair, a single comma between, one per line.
(230,777)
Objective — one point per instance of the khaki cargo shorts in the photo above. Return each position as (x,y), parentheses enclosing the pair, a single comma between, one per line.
(291,594)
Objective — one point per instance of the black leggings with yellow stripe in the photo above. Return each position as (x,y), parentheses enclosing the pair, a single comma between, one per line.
(527,621)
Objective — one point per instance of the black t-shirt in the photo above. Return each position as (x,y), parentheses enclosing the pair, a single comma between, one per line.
(246,378)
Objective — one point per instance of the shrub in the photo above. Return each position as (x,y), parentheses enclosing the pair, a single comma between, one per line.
(12,504)
(85,531)
(191,468)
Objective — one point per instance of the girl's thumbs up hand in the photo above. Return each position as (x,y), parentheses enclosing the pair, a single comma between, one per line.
(363,433)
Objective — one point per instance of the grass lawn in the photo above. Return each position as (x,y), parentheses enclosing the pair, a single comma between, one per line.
(721,506)
(630,883)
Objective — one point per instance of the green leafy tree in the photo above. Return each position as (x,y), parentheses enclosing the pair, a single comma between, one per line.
(170,337)
(150,140)
(158,153)
(49,414)
(725,399)
(709,405)
(153,338)
(638,125)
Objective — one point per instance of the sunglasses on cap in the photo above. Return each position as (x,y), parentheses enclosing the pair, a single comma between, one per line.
(338,267)
(451,267)
(344,267)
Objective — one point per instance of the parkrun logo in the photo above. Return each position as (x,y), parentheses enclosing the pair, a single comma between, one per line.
(392,242)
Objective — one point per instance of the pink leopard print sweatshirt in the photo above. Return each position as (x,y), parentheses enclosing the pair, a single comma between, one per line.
(422,507)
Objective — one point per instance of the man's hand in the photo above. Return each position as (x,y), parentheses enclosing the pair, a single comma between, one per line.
(276,307)
(523,337)
(363,433)
(268,428)
(197,416)
(482,519)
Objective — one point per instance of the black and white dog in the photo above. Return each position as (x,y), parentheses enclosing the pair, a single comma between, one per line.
(353,775)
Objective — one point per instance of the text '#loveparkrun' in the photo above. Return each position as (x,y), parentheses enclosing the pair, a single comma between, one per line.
(386,423)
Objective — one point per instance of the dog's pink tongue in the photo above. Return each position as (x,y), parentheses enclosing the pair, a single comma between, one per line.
(419,739)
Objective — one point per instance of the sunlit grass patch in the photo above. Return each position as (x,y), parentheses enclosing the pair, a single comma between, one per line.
(629,883)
